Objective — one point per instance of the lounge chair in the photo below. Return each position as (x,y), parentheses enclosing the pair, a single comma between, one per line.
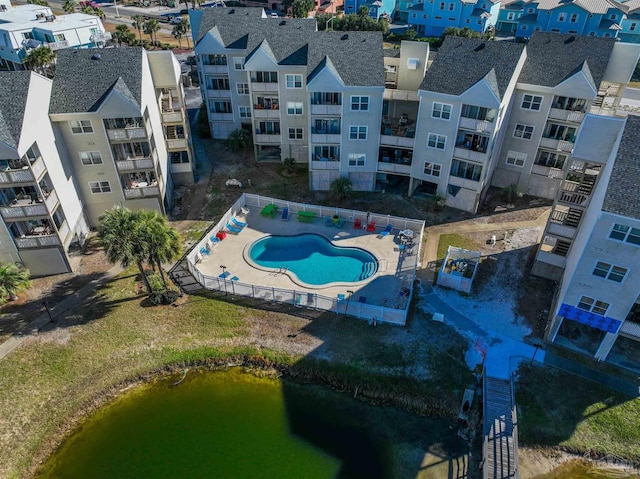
(285,214)
(371,226)
(224,275)
(328,221)
(357,224)
(214,239)
(339,223)
(204,251)
(238,223)
(306,216)
(269,210)
(235,278)
(233,229)
(386,231)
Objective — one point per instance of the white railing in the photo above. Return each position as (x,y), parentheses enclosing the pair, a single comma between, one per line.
(177,144)
(262,87)
(547,171)
(172,117)
(630,328)
(58,45)
(216,116)
(17,176)
(562,230)
(100,37)
(51,201)
(552,258)
(476,125)
(13,212)
(556,144)
(215,68)
(212,93)
(325,138)
(325,165)
(132,193)
(390,140)
(134,164)
(263,138)
(464,183)
(37,241)
(266,113)
(566,115)
(326,109)
(394,168)
(127,133)
(63,232)
(464,154)
(400,95)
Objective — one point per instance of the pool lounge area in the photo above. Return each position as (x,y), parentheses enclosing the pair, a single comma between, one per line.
(377,261)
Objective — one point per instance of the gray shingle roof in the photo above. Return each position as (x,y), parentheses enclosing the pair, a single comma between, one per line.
(82,80)
(622,191)
(357,57)
(391,52)
(13,99)
(554,57)
(463,62)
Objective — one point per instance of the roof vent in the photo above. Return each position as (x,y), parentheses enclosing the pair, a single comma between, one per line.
(96,56)
(283,22)
(344,37)
(480,47)
(233,10)
(570,39)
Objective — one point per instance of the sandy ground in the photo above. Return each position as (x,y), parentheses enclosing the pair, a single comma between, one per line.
(539,462)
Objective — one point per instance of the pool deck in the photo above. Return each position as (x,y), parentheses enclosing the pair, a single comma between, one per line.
(381,289)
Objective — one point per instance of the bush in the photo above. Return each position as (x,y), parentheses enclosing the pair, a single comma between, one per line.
(239,140)
(164,297)
(341,188)
(203,122)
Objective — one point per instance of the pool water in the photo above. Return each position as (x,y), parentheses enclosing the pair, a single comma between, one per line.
(314,259)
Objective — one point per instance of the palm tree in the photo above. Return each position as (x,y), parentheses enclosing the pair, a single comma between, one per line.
(185,26)
(119,234)
(138,23)
(163,242)
(41,59)
(13,279)
(123,35)
(341,188)
(177,34)
(151,26)
(69,6)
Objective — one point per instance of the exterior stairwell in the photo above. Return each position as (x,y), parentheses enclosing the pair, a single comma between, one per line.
(500,448)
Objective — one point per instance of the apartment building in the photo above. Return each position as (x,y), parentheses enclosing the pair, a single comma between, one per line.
(432,18)
(24,27)
(597,308)
(105,111)
(39,204)
(607,18)
(377,8)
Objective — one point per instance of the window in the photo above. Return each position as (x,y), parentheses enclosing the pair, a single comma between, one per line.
(607,35)
(242,88)
(414,15)
(511,15)
(479,113)
(424,16)
(531,102)
(441,5)
(531,10)
(326,152)
(432,169)
(613,16)
(359,103)
(268,128)
(326,98)
(451,7)
(221,107)
(632,27)
(245,111)
(523,131)
(560,132)
(626,234)
(218,84)
(562,16)
(436,141)
(524,27)
(60,37)
(295,134)
(294,108)
(574,18)
(266,77)
(99,187)
(29,35)
(238,63)
(357,132)
(466,170)
(293,81)
(81,126)
(551,159)
(215,59)
(589,304)
(90,158)
(357,159)
(441,110)
(516,158)
(609,271)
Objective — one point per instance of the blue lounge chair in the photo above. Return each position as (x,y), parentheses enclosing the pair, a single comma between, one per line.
(386,231)
(233,229)
(205,251)
(224,275)
(328,221)
(339,223)
(238,223)
(214,239)
(285,214)
(235,278)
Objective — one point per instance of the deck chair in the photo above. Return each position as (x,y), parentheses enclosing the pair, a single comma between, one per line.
(224,275)
(232,229)
(214,239)
(339,223)
(371,226)
(328,221)
(386,231)
(238,223)
(204,251)
(357,224)
(285,214)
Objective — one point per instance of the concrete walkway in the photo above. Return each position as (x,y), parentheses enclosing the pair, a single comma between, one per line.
(204,169)
(70,302)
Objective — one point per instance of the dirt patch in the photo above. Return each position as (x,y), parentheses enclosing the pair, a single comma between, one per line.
(540,462)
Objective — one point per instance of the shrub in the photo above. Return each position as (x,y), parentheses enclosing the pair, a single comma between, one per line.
(203,122)
(341,188)
(239,139)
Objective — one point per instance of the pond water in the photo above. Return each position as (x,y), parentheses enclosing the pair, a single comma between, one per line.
(579,469)
(234,425)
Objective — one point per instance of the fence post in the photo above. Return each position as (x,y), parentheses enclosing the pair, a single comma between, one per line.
(294,297)
(253,291)
(273,293)
(233,289)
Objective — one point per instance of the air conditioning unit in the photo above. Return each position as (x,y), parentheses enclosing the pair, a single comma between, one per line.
(50,18)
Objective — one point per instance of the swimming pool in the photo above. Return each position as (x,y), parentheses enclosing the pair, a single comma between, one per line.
(313,259)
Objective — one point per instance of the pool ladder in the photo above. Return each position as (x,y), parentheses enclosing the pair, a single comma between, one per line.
(281,270)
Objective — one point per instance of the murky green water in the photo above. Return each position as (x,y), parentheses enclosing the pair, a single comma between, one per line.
(585,470)
(233,425)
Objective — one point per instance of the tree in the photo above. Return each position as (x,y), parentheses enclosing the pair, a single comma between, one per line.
(163,242)
(39,2)
(138,24)
(341,188)
(69,6)
(151,27)
(363,12)
(301,8)
(177,34)
(239,139)
(119,234)
(185,27)
(41,60)
(123,35)
(290,164)
(13,279)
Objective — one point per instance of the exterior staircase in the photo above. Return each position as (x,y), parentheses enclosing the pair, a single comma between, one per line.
(500,448)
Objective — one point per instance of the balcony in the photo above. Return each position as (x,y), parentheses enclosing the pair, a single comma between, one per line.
(476,125)
(58,45)
(38,241)
(552,259)
(263,87)
(630,328)
(215,93)
(322,137)
(18,171)
(19,209)
(326,110)
(177,144)
(267,138)
(464,183)
(141,191)
(215,68)
(560,145)
(133,164)
(471,155)
(402,141)
(125,134)
(100,37)
(395,168)
(547,171)
(566,115)
(220,116)
(401,95)
(260,111)
(172,117)
(325,164)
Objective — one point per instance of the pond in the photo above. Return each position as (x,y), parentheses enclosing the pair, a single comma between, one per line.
(231,424)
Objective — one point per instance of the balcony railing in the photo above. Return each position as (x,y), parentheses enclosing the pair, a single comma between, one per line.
(401,95)
(326,109)
(213,93)
(37,241)
(177,144)
(215,68)
(141,192)
(23,174)
(267,138)
(470,155)
(261,112)
(100,37)
(23,209)
(122,134)
(464,183)
(397,168)
(546,171)
(58,45)
(566,115)
(554,144)
(390,140)
(220,116)
(325,165)
(476,125)
(263,87)
(172,117)
(133,164)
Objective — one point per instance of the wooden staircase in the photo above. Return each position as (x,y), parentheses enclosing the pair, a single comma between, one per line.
(500,434)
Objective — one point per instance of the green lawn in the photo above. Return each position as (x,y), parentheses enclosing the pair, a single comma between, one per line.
(559,409)
(456,240)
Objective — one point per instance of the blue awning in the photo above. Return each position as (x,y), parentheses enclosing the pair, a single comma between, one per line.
(597,321)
